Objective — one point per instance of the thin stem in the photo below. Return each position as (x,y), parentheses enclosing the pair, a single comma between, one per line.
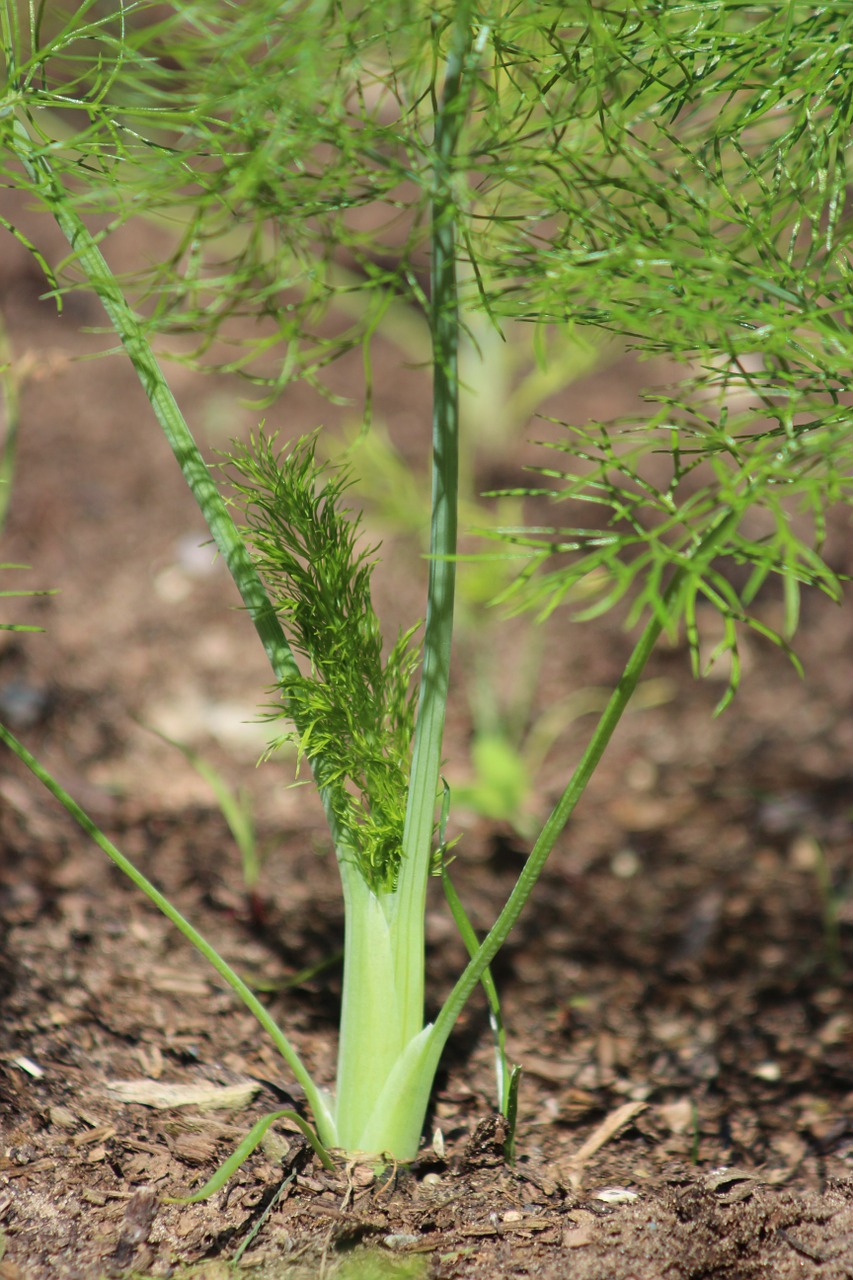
(196,473)
(10,400)
(547,838)
(410,899)
(159,394)
(291,1057)
(565,806)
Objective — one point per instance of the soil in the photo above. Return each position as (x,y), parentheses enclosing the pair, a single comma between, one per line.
(678,991)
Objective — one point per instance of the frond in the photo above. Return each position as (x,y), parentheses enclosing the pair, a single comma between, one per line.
(353,708)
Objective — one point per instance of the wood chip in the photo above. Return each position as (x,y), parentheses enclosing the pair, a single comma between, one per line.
(609,1127)
(92,1136)
(581,1232)
(21,1170)
(163,1096)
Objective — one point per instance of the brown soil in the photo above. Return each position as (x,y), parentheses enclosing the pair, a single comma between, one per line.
(678,992)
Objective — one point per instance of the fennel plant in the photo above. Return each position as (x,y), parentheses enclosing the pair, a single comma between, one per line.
(671,172)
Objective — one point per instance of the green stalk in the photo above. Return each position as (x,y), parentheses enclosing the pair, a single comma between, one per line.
(196,473)
(317,1099)
(408,905)
(565,806)
(94,266)
(555,823)
(382,1090)
(374,1031)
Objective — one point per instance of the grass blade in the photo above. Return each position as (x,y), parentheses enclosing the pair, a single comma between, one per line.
(162,903)
(252,1140)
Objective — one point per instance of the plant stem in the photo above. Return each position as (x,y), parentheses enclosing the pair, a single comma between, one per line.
(409,902)
(554,825)
(382,1094)
(373,1030)
(162,401)
(196,473)
(316,1098)
(565,806)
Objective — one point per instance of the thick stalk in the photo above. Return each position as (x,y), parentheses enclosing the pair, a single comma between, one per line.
(383,986)
(373,1033)
(407,905)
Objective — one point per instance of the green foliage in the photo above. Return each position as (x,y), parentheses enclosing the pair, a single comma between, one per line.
(701,212)
(501,785)
(758,493)
(673,173)
(670,172)
(235,807)
(302,118)
(698,180)
(253,1140)
(353,710)
(5,595)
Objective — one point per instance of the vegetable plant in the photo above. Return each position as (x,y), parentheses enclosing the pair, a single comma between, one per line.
(668,172)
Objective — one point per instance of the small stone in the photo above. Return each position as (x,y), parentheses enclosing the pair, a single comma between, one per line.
(625,864)
(615,1195)
(804,853)
(679,1117)
(399,1240)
